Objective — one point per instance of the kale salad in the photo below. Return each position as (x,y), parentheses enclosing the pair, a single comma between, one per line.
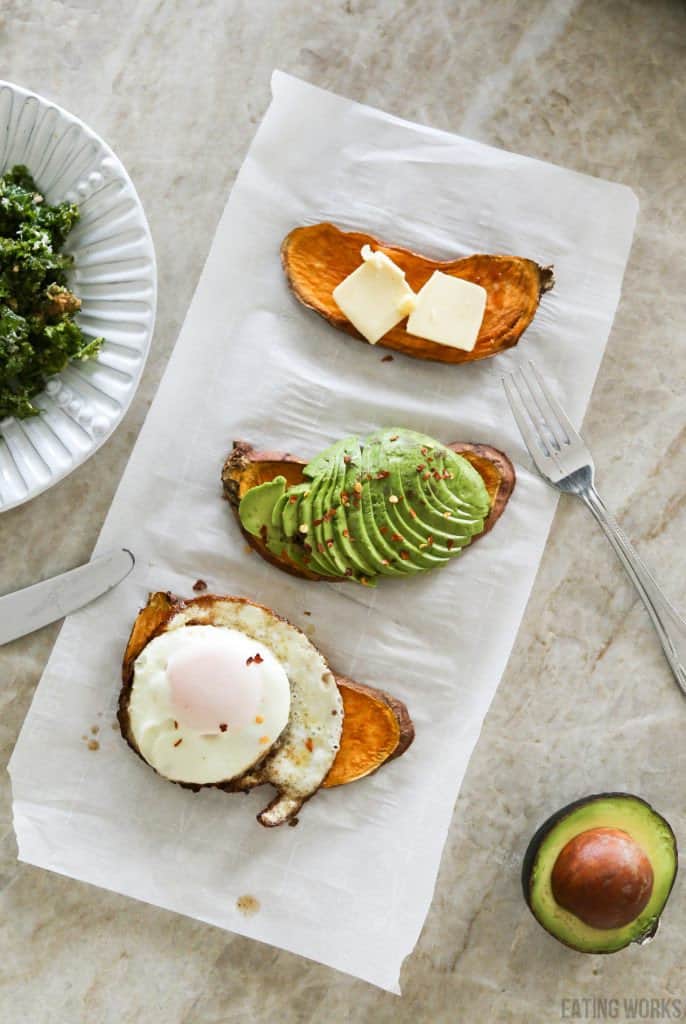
(38,333)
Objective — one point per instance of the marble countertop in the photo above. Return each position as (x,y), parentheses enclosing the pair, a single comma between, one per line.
(587,702)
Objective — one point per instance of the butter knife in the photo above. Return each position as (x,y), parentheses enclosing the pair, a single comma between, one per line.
(33,607)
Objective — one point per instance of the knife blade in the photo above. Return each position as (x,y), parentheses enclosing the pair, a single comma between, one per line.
(33,607)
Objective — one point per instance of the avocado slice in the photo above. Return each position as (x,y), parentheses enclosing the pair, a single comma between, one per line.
(338,551)
(352,547)
(270,513)
(375,458)
(598,873)
(311,512)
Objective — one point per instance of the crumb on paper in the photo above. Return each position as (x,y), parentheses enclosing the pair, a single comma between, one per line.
(387,359)
(199,585)
(307,613)
(93,745)
(95,729)
(248,905)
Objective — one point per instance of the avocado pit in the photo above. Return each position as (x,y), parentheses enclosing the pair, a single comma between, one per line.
(603,877)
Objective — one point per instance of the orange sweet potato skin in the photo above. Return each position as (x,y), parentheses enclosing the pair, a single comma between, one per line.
(376,726)
(317,258)
(245,467)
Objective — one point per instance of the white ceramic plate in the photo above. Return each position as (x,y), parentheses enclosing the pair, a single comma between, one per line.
(114,275)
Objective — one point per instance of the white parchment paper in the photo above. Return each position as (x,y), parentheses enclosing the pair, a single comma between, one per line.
(351,885)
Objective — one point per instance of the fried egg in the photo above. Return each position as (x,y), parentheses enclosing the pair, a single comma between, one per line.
(231,695)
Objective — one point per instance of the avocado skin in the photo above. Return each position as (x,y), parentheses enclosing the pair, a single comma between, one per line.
(550,823)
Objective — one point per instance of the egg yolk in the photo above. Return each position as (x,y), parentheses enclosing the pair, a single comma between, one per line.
(214,687)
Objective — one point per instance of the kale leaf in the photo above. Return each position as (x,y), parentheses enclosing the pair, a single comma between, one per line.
(38,334)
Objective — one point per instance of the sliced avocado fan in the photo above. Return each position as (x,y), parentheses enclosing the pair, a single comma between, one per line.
(395,503)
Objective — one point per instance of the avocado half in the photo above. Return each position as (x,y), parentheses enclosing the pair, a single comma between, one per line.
(601,855)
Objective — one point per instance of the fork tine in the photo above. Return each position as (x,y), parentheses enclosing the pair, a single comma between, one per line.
(556,410)
(542,416)
(536,444)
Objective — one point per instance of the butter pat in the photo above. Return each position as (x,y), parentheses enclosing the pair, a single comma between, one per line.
(376,296)
(448,310)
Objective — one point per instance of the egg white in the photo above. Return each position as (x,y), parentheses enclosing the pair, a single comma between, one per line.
(185,754)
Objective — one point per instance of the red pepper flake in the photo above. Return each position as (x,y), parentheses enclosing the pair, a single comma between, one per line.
(347,459)
(223,727)
(395,437)
(263,532)
(179,742)
(256,659)
(329,543)
(346,533)
(421,467)
(425,476)
(387,359)
(425,451)
(320,549)
(412,513)
(345,497)
(429,541)
(199,585)
(357,487)
(404,555)
(449,544)
(397,537)
(308,547)
(383,529)
(382,474)
(309,744)
(293,498)
(317,522)
(436,475)
(348,572)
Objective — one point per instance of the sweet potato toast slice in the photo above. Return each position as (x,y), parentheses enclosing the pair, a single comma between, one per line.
(376,726)
(318,257)
(245,467)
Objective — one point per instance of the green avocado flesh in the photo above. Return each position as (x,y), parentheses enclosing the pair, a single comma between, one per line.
(615,811)
(395,503)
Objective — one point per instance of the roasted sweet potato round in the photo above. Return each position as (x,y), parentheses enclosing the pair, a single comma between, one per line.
(376,726)
(318,257)
(245,467)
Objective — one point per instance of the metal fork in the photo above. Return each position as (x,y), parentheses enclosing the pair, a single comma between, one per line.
(563,460)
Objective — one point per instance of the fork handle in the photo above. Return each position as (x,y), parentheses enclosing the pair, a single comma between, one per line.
(670,627)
